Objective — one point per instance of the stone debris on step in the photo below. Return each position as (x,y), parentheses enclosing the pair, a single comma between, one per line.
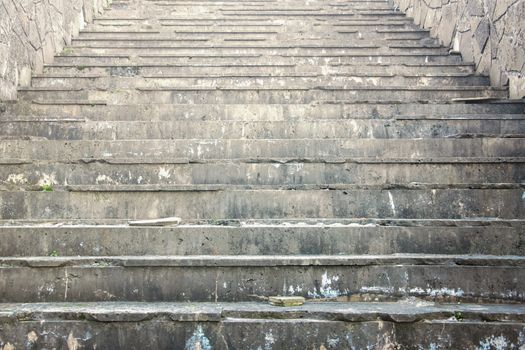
(286,301)
(172,221)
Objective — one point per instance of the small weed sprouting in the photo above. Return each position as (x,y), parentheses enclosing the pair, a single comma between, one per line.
(458,316)
(54,253)
(67,51)
(47,188)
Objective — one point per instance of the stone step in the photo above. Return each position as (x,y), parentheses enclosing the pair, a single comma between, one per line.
(395,173)
(257,80)
(500,238)
(262,95)
(298,128)
(255,15)
(312,27)
(175,222)
(492,110)
(156,67)
(267,32)
(218,20)
(101,202)
(197,278)
(189,48)
(173,58)
(134,19)
(295,7)
(295,23)
(361,13)
(142,187)
(351,37)
(206,149)
(257,325)
(179,39)
(85,61)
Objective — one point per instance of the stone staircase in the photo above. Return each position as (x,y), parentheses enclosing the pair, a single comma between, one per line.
(328,149)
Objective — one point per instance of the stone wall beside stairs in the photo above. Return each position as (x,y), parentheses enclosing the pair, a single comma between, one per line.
(490,33)
(33,31)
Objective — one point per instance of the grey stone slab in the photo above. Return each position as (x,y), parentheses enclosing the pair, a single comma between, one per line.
(264,94)
(410,310)
(253,112)
(347,128)
(74,324)
(213,149)
(319,237)
(283,173)
(254,80)
(111,279)
(264,260)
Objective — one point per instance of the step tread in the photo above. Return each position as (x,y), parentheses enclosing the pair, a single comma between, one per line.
(267,223)
(274,160)
(304,187)
(263,260)
(348,87)
(411,310)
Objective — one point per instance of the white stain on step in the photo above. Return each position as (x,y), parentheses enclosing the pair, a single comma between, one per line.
(377,290)
(104,179)
(32,337)
(496,343)
(198,341)
(438,292)
(47,179)
(164,173)
(72,342)
(292,290)
(17,178)
(326,289)
(392,205)
(269,340)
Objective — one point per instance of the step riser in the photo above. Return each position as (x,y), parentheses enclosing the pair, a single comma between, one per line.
(260,130)
(260,204)
(106,241)
(256,149)
(232,283)
(255,334)
(33,176)
(255,81)
(254,112)
(251,96)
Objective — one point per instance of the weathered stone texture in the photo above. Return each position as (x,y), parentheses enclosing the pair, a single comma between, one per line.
(490,33)
(32,31)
